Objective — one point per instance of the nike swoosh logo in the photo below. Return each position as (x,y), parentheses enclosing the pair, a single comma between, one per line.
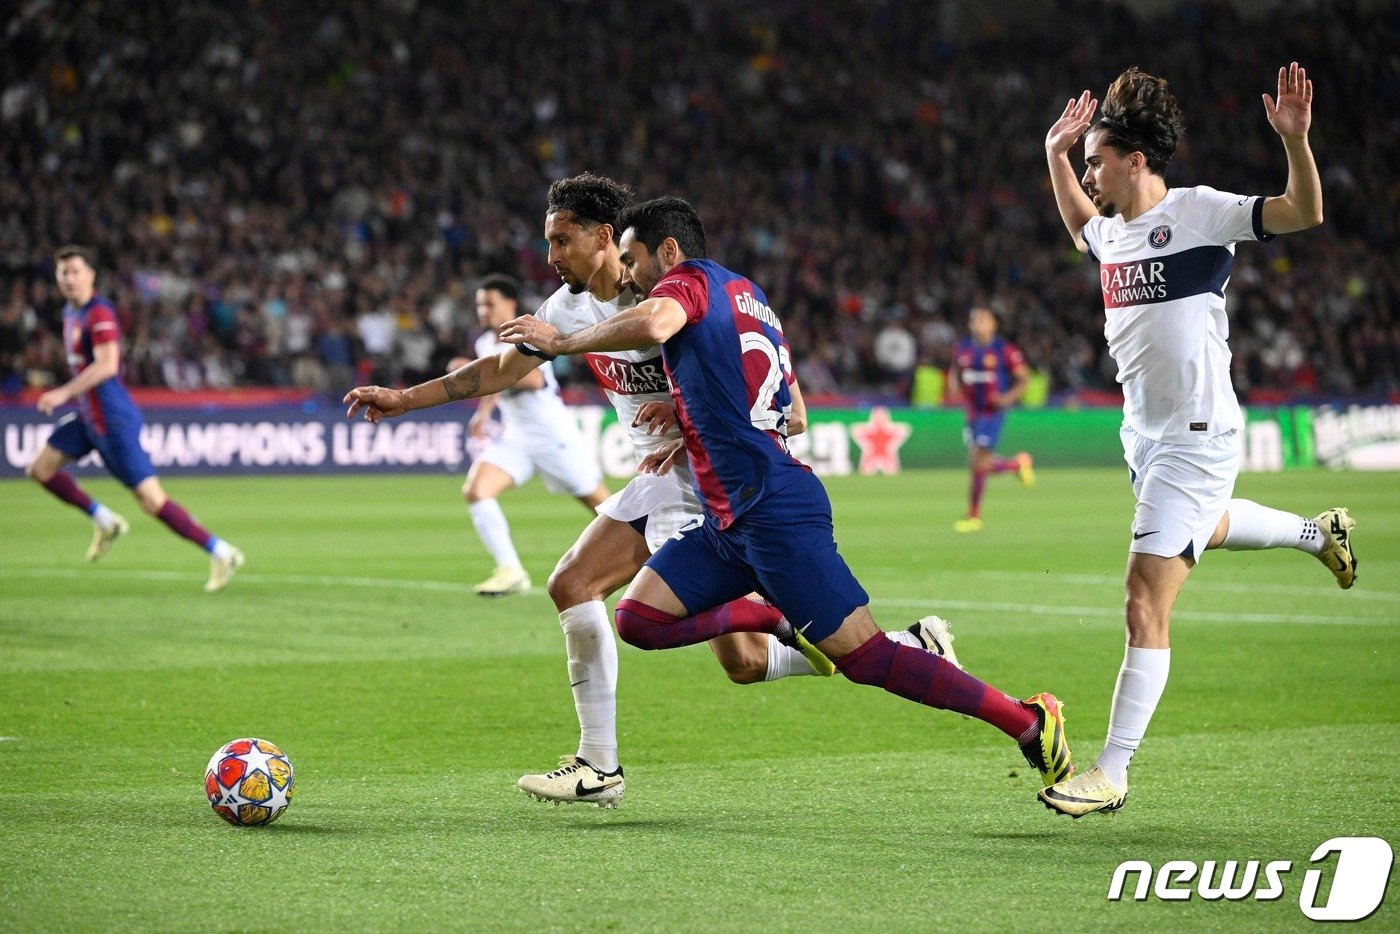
(1054,795)
(1138,535)
(574,684)
(583,791)
(1244,200)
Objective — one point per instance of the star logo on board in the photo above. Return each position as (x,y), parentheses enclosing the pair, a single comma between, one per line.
(880,439)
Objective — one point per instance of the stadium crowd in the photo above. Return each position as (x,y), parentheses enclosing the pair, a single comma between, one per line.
(304,193)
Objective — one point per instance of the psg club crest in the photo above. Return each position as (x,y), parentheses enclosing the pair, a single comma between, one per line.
(1159,237)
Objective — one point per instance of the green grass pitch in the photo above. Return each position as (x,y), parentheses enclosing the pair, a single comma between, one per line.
(409,707)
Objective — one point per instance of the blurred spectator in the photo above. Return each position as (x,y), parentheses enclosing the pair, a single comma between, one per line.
(316,186)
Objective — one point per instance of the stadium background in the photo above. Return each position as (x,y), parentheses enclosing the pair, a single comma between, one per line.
(290,198)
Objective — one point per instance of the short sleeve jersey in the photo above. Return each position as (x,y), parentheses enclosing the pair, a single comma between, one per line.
(730,369)
(985,370)
(107,405)
(1163,277)
(630,378)
(524,409)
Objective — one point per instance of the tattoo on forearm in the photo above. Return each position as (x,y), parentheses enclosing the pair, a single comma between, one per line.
(461,385)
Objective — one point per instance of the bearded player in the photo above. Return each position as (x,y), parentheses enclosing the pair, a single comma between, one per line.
(580,225)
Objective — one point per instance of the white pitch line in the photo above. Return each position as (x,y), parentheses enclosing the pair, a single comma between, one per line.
(1112,612)
(935,603)
(1324,584)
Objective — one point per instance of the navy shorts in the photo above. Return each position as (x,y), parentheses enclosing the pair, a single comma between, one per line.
(984,431)
(782,548)
(120,448)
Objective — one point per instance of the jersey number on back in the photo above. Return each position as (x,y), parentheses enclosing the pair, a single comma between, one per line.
(762,414)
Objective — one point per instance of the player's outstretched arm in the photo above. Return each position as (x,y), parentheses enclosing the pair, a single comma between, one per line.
(1300,205)
(478,378)
(652,322)
(1075,207)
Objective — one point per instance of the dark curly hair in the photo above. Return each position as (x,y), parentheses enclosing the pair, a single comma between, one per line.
(591,199)
(1141,115)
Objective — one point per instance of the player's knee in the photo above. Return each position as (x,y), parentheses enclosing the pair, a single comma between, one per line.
(36,473)
(746,669)
(568,587)
(1147,621)
(642,626)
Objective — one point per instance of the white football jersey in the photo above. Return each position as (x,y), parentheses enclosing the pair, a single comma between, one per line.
(530,412)
(1163,277)
(631,378)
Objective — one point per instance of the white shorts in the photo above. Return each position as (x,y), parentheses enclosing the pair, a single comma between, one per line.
(658,507)
(1182,490)
(563,464)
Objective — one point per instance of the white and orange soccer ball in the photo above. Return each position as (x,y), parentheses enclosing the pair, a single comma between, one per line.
(249,782)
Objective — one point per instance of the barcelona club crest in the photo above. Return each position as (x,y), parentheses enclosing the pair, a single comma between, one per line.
(1159,237)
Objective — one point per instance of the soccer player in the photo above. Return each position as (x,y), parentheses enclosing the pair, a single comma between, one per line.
(580,221)
(1164,258)
(538,433)
(991,375)
(767,524)
(107,421)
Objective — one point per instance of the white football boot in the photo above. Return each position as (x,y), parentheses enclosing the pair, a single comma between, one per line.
(503,581)
(937,637)
(575,780)
(104,535)
(221,569)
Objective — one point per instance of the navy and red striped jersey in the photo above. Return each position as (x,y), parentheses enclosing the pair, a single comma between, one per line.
(84,328)
(729,369)
(987,371)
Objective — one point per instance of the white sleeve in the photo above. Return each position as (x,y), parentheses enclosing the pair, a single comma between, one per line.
(1091,232)
(1225,218)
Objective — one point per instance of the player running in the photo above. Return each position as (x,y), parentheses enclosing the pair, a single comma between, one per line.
(537,433)
(579,226)
(991,375)
(1164,258)
(107,421)
(767,524)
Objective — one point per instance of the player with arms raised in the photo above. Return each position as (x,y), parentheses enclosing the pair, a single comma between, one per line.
(1164,259)
(768,520)
(107,421)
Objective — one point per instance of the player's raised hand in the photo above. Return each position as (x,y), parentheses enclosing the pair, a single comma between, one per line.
(527,329)
(664,458)
(1079,113)
(376,401)
(1291,114)
(657,417)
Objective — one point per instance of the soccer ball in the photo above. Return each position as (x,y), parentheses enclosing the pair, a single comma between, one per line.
(249,782)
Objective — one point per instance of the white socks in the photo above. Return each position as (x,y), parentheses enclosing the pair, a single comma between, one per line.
(103,517)
(588,638)
(1254,527)
(786,662)
(905,637)
(494,531)
(1141,681)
